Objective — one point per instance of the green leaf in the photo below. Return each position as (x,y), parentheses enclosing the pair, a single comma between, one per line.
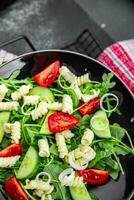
(120,150)
(114,174)
(14,74)
(61,191)
(54,150)
(107,84)
(85,122)
(132,119)
(93,196)
(117,131)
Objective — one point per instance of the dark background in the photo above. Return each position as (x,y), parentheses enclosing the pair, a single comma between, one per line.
(56,23)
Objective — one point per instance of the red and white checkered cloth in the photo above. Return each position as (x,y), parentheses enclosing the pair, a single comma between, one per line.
(119,57)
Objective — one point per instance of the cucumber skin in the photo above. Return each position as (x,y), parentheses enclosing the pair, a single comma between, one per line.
(44,129)
(4,118)
(79,193)
(33,172)
(44,93)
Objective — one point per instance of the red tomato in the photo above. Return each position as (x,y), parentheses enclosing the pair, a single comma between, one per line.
(11,150)
(48,75)
(94,176)
(60,121)
(89,107)
(14,189)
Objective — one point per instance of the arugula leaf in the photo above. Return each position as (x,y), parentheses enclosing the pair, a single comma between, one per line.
(132,119)
(93,196)
(117,131)
(85,121)
(107,84)
(14,74)
(61,192)
(120,150)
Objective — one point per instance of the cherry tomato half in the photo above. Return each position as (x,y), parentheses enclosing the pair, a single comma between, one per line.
(94,176)
(11,150)
(60,121)
(48,75)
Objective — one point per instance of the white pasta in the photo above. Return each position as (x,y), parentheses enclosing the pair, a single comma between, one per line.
(68,178)
(67,104)
(38,185)
(8,162)
(55,106)
(88,97)
(77,90)
(43,148)
(67,134)
(87,137)
(15,130)
(31,100)
(61,144)
(23,90)
(67,74)
(40,110)
(80,157)
(41,194)
(3,91)
(9,106)
(82,79)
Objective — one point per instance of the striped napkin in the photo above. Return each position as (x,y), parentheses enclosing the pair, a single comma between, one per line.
(119,57)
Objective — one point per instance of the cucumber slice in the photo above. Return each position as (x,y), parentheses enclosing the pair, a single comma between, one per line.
(29,165)
(100,124)
(80,193)
(4,118)
(44,129)
(44,93)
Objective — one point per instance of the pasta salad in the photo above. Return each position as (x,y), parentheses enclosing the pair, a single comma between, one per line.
(56,137)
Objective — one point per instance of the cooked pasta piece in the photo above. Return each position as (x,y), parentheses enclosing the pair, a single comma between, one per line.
(82,79)
(38,185)
(8,162)
(61,144)
(88,97)
(40,110)
(55,106)
(43,148)
(41,194)
(15,130)
(23,90)
(3,91)
(80,157)
(69,178)
(9,106)
(77,90)
(31,100)
(67,104)
(67,74)
(87,137)
(67,134)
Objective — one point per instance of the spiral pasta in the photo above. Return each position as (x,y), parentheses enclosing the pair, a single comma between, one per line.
(54,106)
(15,130)
(88,97)
(40,110)
(67,74)
(23,90)
(80,157)
(69,178)
(82,79)
(87,137)
(61,144)
(67,134)
(31,100)
(38,185)
(8,162)
(9,106)
(67,104)
(3,91)
(43,148)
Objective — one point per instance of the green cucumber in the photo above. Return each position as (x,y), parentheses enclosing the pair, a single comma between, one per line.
(44,93)
(44,129)
(100,124)
(79,193)
(29,165)
(4,118)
